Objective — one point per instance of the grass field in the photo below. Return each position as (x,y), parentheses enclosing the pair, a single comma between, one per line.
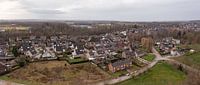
(190,59)
(149,57)
(193,46)
(56,73)
(161,74)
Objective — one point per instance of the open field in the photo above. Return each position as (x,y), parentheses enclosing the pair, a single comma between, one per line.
(161,74)
(56,73)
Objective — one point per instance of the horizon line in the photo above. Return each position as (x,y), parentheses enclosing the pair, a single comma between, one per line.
(66,20)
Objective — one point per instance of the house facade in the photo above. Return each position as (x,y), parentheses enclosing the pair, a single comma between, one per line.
(119,65)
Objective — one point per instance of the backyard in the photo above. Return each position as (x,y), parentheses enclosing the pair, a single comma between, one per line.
(76,60)
(149,57)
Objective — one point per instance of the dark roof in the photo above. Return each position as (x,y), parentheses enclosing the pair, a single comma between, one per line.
(128,53)
(79,52)
(54,38)
(59,48)
(26,46)
(121,62)
(2,54)
(91,53)
(33,51)
(95,39)
(100,52)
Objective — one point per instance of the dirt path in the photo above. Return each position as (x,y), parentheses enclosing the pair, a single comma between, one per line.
(3,82)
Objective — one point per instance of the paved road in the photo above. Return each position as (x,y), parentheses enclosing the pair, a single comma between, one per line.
(157,54)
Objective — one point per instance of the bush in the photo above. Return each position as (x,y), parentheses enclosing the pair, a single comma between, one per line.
(22,61)
(15,51)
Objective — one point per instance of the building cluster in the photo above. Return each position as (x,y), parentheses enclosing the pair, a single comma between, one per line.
(5,53)
(111,50)
(106,48)
(6,57)
(169,45)
(48,48)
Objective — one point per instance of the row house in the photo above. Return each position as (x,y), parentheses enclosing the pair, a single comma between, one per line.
(119,65)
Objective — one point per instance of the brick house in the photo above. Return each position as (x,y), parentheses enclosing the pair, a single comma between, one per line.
(119,65)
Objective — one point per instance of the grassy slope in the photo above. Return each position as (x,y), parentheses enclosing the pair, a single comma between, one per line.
(191,60)
(161,74)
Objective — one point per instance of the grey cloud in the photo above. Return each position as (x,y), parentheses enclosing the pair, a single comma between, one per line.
(173,10)
(46,11)
(133,10)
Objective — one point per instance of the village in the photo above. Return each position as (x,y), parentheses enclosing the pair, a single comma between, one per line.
(114,53)
(99,42)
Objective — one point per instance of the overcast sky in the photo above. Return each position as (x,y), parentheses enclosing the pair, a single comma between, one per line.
(126,10)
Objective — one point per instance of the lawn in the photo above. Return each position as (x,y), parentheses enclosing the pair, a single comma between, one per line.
(75,60)
(149,57)
(161,74)
(190,59)
(56,73)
